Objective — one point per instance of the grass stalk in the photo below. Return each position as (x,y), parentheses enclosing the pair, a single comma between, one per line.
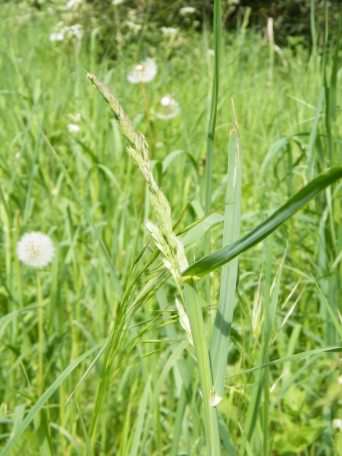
(193,308)
(220,338)
(213,106)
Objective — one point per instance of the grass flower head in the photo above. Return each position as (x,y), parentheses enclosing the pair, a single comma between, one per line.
(143,72)
(35,249)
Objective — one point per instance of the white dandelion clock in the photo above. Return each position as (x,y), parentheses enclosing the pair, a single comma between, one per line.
(143,72)
(168,108)
(35,249)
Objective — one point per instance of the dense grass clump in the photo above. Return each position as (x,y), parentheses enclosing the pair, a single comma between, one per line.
(112,349)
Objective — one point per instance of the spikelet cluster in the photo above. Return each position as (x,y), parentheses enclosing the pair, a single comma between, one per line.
(165,239)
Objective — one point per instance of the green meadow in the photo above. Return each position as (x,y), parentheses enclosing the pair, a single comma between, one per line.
(126,344)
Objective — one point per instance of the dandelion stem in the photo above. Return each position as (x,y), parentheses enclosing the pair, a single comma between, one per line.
(40,336)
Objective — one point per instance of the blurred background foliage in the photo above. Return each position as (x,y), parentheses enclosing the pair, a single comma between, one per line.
(119,23)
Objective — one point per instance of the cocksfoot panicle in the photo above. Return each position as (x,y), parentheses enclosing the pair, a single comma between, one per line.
(35,249)
(168,108)
(143,72)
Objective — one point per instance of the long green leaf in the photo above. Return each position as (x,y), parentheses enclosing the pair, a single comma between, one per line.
(220,338)
(20,429)
(213,104)
(296,202)
(194,311)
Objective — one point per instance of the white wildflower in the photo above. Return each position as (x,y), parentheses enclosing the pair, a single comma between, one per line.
(35,249)
(73,4)
(57,36)
(133,26)
(168,108)
(117,2)
(337,424)
(187,10)
(143,72)
(64,32)
(169,32)
(74,31)
(74,128)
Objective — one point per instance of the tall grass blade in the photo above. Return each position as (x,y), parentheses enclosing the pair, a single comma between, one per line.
(220,336)
(20,429)
(296,202)
(213,105)
(260,388)
(194,311)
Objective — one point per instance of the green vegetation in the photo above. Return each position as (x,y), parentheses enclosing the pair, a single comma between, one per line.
(94,360)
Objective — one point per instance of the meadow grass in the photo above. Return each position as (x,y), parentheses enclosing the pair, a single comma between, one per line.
(93,359)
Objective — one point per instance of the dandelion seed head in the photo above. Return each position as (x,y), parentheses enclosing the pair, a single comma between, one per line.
(143,72)
(168,109)
(35,249)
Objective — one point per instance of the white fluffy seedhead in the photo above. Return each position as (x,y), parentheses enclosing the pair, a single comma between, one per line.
(143,72)
(35,249)
(168,108)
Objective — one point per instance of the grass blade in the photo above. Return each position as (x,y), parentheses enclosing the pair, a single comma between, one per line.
(213,105)
(42,400)
(219,346)
(296,202)
(198,333)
